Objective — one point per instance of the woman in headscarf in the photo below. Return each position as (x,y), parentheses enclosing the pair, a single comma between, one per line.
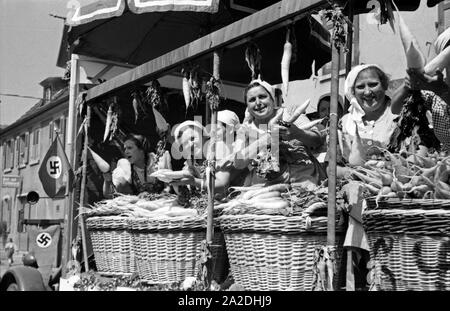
(369,116)
(368,123)
(422,101)
(192,143)
(296,162)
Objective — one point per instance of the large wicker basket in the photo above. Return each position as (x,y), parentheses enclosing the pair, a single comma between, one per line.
(274,252)
(410,243)
(168,250)
(111,243)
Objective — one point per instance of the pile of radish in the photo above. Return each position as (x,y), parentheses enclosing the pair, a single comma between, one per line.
(405,176)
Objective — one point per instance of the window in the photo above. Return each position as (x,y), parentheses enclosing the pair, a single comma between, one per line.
(47,94)
(9,154)
(23,148)
(34,152)
(59,126)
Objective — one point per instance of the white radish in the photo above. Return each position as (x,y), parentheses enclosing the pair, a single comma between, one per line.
(299,110)
(108,123)
(161,123)
(414,56)
(285,63)
(102,164)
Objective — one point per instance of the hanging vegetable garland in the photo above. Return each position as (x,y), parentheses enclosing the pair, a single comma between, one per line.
(253,58)
(339,22)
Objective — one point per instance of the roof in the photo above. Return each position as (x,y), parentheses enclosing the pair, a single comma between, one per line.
(58,98)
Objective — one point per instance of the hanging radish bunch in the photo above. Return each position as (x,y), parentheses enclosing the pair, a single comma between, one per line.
(186,87)
(195,85)
(253,58)
(156,100)
(138,107)
(213,93)
(112,119)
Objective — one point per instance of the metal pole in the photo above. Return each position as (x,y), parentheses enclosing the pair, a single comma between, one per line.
(332,147)
(83,187)
(28,227)
(70,151)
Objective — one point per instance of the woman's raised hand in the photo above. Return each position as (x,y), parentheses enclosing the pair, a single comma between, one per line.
(418,80)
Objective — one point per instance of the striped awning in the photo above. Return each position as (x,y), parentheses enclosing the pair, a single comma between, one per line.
(85,11)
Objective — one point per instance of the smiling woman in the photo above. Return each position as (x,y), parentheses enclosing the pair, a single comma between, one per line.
(289,158)
(369,122)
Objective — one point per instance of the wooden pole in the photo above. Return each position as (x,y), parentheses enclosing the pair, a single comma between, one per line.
(349,55)
(83,187)
(332,147)
(350,276)
(70,151)
(212,158)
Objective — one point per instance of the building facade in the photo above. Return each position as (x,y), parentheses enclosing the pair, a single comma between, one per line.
(23,145)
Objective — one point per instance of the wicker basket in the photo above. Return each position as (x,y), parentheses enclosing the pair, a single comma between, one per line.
(274,252)
(112,244)
(410,243)
(167,250)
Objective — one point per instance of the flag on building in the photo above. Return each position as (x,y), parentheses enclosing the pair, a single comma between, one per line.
(55,170)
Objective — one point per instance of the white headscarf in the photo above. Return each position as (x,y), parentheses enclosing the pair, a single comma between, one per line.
(355,110)
(270,89)
(187,123)
(228,117)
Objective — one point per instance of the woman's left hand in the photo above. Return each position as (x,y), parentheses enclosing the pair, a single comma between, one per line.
(284,132)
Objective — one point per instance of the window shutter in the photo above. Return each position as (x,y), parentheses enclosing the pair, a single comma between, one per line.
(51,131)
(4,155)
(62,129)
(26,148)
(17,152)
(37,137)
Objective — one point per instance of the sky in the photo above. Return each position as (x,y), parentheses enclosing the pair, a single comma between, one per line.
(29,46)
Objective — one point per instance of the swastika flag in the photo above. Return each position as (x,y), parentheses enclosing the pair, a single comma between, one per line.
(55,170)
